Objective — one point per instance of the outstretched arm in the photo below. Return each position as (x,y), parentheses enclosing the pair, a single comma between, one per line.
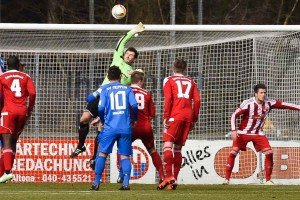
(282,105)
(119,51)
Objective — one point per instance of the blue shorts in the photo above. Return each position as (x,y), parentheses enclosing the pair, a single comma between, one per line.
(107,141)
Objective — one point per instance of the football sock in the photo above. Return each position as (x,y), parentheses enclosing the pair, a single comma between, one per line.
(158,164)
(121,175)
(268,166)
(126,167)
(83,131)
(8,160)
(99,168)
(177,162)
(229,165)
(169,160)
(1,167)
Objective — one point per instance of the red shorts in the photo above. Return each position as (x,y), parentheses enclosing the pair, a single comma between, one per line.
(144,132)
(177,132)
(12,123)
(260,142)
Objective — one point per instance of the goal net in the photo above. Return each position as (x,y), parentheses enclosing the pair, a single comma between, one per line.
(69,61)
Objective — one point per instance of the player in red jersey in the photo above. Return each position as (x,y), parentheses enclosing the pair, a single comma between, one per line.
(15,88)
(143,128)
(253,113)
(181,109)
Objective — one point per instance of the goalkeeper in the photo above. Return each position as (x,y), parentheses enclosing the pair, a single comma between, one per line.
(124,61)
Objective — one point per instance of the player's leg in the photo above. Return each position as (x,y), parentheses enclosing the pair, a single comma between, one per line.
(156,159)
(83,131)
(262,144)
(96,146)
(106,142)
(230,164)
(125,149)
(7,158)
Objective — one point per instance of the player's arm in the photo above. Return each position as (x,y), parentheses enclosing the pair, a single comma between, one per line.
(93,96)
(168,102)
(238,112)
(151,107)
(31,94)
(134,105)
(197,103)
(101,106)
(119,51)
(282,105)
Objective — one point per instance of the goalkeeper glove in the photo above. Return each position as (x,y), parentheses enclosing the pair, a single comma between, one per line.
(138,29)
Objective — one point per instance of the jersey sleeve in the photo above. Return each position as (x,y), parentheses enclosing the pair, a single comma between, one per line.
(238,112)
(151,106)
(197,102)
(31,93)
(168,98)
(282,105)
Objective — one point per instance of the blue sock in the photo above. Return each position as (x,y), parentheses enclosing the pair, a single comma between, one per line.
(126,166)
(100,165)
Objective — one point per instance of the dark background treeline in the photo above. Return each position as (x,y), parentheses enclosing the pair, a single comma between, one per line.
(152,11)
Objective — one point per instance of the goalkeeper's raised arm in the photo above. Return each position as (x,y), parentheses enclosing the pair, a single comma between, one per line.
(124,59)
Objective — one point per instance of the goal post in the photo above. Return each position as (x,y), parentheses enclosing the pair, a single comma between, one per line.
(67,61)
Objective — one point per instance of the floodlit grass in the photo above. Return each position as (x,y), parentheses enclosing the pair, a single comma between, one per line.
(81,191)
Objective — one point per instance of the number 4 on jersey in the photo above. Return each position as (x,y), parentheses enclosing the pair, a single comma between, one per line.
(15,87)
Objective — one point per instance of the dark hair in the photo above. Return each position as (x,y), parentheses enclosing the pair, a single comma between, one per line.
(179,65)
(259,86)
(13,62)
(114,73)
(136,53)
(137,76)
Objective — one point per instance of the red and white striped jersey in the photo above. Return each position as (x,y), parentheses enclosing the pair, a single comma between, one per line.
(145,104)
(254,114)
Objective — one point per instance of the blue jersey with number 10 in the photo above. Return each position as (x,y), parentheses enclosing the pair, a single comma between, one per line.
(114,107)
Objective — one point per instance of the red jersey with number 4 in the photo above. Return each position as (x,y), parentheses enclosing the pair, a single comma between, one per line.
(145,104)
(16,87)
(182,98)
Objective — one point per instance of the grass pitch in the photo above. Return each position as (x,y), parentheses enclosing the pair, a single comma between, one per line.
(107,191)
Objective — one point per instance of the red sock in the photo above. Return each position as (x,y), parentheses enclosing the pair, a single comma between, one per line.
(8,159)
(229,165)
(158,164)
(268,166)
(169,160)
(1,167)
(177,162)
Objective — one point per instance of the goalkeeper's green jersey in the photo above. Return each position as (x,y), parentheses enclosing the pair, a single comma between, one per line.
(118,60)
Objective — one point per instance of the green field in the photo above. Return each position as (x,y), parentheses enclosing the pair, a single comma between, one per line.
(139,191)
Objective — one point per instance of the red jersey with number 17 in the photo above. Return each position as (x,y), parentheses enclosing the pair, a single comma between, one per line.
(182,98)
(16,87)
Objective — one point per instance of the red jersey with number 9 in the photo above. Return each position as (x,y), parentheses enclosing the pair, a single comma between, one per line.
(16,87)
(182,98)
(145,104)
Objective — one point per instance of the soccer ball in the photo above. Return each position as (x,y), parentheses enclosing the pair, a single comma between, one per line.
(118,11)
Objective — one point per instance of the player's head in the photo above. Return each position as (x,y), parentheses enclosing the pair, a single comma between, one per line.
(130,55)
(260,91)
(179,65)
(137,77)
(13,62)
(114,73)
